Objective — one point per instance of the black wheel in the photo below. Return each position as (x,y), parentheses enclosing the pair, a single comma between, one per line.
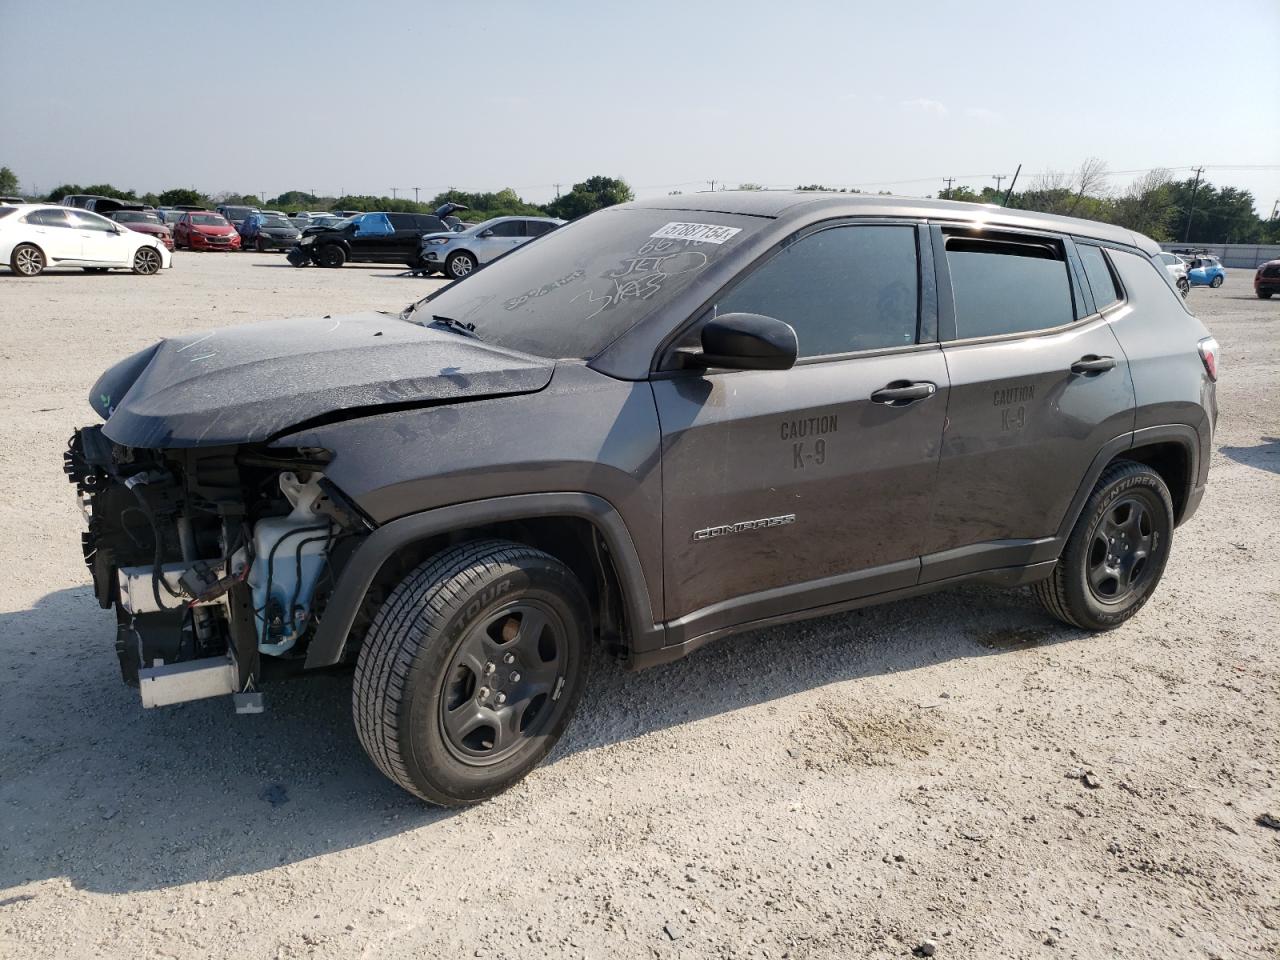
(471,670)
(1184,286)
(459,265)
(1116,554)
(259,245)
(146,261)
(331,255)
(27,260)
(1265,294)
(1216,282)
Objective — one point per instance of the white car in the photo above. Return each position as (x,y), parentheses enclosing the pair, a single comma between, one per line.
(1177,268)
(34,236)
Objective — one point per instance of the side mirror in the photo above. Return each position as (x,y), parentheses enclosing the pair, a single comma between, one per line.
(748,341)
(486,235)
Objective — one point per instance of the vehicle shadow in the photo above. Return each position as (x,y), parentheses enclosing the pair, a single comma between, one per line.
(1263,456)
(119,799)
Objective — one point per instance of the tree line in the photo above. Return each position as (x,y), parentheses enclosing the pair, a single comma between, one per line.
(1155,204)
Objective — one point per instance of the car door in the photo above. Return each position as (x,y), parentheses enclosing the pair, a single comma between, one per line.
(372,237)
(54,233)
(502,237)
(790,489)
(403,246)
(101,241)
(1039,385)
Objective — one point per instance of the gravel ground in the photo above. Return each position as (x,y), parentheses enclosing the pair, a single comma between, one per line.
(846,787)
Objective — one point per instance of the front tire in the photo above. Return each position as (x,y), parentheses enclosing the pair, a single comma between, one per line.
(27,260)
(471,670)
(147,261)
(331,255)
(1265,294)
(459,265)
(1116,553)
(1216,282)
(1184,287)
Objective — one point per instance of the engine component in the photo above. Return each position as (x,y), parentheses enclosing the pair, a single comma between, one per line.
(289,554)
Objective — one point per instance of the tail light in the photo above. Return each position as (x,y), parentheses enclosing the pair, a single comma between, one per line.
(1209,357)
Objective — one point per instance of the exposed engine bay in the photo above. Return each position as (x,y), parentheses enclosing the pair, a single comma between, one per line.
(217,561)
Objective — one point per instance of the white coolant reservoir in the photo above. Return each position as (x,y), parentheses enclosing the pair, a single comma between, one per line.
(289,554)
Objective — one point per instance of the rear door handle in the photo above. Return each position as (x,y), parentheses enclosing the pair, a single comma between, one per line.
(1093,364)
(899,393)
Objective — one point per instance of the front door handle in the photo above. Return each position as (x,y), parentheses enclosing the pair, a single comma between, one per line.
(900,393)
(1093,364)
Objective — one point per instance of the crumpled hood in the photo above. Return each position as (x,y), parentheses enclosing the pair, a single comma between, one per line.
(247,384)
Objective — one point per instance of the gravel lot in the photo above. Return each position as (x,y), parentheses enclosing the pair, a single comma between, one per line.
(840,788)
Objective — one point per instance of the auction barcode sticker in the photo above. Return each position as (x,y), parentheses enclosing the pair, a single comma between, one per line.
(698,232)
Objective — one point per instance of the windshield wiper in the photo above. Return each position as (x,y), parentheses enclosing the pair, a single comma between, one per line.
(455,326)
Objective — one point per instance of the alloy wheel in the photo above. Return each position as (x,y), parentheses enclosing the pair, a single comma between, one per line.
(28,261)
(146,261)
(500,688)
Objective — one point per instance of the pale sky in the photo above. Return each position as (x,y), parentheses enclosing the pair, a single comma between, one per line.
(359,97)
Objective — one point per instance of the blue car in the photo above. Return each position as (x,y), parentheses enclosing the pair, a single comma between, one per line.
(1206,272)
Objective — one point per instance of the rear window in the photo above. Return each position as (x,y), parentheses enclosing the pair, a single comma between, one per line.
(1008,285)
(585,284)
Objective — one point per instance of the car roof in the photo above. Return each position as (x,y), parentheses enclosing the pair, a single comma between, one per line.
(813,205)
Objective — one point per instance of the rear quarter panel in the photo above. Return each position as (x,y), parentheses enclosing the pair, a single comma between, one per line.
(1160,338)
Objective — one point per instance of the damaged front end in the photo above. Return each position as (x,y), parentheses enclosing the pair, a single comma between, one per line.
(218,561)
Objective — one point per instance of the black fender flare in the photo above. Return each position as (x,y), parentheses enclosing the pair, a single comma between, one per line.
(1181,433)
(329,644)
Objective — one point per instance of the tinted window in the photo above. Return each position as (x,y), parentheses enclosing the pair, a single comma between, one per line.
(582,286)
(430,224)
(844,289)
(507,228)
(536,228)
(48,218)
(1007,286)
(402,221)
(90,221)
(372,224)
(1096,269)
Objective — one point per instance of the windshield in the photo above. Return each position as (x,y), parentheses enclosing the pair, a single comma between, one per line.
(208,220)
(277,222)
(575,290)
(136,216)
(237,213)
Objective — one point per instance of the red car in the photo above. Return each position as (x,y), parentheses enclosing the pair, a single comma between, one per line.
(144,221)
(203,230)
(1267,280)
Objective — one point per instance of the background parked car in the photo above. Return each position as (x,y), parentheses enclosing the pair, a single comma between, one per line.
(1177,269)
(1205,271)
(203,230)
(144,221)
(236,214)
(457,254)
(169,215)
(264,231)
(80,200)
(368,238)
(35,236)
(11,201)
(1267,280)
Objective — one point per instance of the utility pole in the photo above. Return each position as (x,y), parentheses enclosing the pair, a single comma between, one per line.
(998,177)
(1012,183)
(946,194)
(557,186)
(1191,209)
(1274,208)
(712,185)
(415,194)
(393,192)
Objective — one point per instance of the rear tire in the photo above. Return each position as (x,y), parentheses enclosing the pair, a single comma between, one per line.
(259,245)
(331,255)
(1116,553)
(1265,294)
(1216,282)
(471,670)
(27,260)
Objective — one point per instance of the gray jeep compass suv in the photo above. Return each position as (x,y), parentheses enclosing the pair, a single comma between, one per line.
(667,422)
